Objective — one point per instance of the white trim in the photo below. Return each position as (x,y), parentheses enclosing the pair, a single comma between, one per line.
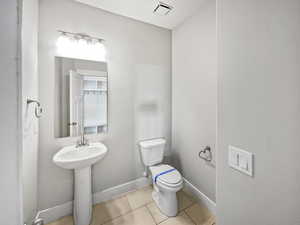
(56,212)
(190,188)
(92,73)
(116,191)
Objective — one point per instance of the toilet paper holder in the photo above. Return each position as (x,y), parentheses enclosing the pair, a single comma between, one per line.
(206,154)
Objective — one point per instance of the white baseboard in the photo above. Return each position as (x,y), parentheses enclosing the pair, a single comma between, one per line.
(190,188)
(119,190)
(54,213)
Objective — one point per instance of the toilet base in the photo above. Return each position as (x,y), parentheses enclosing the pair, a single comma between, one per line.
(166,202)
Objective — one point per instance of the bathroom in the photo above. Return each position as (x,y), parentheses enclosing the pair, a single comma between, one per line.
(144,112)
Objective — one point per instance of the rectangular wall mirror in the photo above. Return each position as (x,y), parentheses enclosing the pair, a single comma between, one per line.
(81,97)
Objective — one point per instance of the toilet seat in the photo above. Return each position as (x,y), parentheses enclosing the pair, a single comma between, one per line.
(170,179)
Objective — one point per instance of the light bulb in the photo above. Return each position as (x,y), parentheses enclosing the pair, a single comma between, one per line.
(69,46)
(100,51)
(62,41)
(65,46)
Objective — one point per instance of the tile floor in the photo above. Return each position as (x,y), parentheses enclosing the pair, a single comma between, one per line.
(138,208)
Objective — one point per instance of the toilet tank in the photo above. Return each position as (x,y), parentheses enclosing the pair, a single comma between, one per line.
(152,151)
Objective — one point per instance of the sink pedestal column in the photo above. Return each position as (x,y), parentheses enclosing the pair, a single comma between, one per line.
(82,210)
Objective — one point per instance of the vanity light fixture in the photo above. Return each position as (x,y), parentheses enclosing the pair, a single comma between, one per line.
(82,46)
(162,9)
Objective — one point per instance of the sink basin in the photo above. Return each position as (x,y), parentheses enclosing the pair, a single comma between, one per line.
(73,157)
(81,159)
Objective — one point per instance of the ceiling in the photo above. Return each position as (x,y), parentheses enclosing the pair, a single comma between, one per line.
(143,10)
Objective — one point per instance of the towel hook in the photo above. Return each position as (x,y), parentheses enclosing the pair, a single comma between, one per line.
(38,109)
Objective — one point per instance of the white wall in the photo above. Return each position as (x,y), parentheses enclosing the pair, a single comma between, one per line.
(30,123)
(10,187)
(259,111)
(194,97)
(139,58)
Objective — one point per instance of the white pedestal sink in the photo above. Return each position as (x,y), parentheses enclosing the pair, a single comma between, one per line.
(81,159)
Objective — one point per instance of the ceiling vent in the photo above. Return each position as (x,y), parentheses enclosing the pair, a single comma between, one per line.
(162,9)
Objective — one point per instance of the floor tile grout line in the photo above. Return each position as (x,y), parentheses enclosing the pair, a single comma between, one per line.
(151,214)
(195,203)
(131,210)
(183,209)
(147,206)
(214,223)
(160,212)
(125,195)
(164,220)
(125,214)
(147,187)
(189,217)
(111,219)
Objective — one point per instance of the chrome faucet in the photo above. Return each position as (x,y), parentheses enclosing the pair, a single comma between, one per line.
(82,141)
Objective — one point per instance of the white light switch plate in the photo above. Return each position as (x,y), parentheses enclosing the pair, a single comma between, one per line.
(240,160)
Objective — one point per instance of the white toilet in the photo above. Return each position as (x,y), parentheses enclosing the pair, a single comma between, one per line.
(166,179)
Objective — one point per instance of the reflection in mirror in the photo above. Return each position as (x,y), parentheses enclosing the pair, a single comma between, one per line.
(81,97)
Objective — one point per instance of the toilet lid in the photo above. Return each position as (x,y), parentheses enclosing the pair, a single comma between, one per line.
(172,177)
